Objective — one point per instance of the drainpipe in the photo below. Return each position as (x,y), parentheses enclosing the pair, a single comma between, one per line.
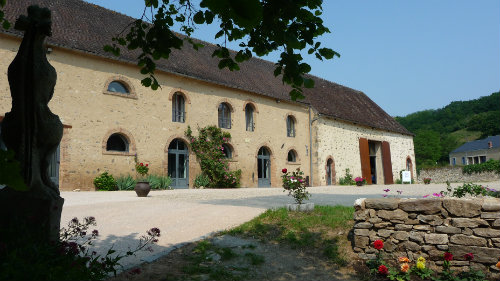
(311,145)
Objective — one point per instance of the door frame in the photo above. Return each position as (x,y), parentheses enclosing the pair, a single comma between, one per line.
(177,152)
(264,182)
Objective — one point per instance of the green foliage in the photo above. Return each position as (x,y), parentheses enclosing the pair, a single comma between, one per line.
(347,179)
(463,117)
(201,180)
(470,189)
(295,184)
(209,151)
(142,169)
(159,181)
(125,182)
(261,27)
(488,166)
(105,182)
(11,171)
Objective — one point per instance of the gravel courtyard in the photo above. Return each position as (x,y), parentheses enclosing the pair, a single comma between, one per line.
(189,215)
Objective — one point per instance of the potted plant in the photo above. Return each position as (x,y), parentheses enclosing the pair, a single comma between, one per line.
(427,180)
(142,186)
(360,181)
(295,184)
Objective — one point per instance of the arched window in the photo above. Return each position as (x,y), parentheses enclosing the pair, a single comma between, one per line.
(228,152)
(118,87)
(117,142)
(290,126)
(249,118)
(292,156)
(224,116)
(178,113)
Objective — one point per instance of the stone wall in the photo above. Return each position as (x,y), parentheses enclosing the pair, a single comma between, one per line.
(428,228)
(454,174)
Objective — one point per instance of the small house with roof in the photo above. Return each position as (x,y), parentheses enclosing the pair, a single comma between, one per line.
(109,118)
(475,152)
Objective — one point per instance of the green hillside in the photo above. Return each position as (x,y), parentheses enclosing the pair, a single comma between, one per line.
(437,132)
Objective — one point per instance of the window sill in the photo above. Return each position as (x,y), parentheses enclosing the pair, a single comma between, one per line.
(128,96)
(293,163)
(122,153)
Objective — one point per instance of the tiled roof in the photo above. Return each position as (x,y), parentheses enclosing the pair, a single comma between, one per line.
(479,144)
(86,27)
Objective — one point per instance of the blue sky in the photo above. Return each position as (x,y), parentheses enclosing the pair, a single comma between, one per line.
(406,56)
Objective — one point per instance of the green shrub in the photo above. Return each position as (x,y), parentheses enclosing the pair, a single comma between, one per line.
(347,179)
(105,182)
(471,189)
(159,182)
(488,166)
(201,180)
(125,182)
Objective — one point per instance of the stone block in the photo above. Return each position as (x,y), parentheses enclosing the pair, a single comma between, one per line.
(436,238)
(361,241)
(382,225)
(411,246)
(385,233)
(463,207)
(467,231)
(416,236)
(468,240)
(361,215)
(435,255)
(389,246)
(487,232)
(422,227)
(393,215)
(403,227)
(412,215)
(491,205)
(430,219)
(490,215)
(426,206)
(359,204)
(382,203)
(401,235)
(367,256)
(363,225)
(362,232)
(442,247)
(496,240)
(375,220)
(466,222)
(448,229)
(412,221)
(496,223)
(481,254)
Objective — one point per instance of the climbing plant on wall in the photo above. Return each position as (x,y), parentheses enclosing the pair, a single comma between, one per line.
(209,150)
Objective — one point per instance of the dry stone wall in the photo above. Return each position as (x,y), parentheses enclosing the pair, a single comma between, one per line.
(429,228)
(454,174)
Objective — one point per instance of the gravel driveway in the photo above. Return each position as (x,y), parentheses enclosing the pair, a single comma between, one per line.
(189,215)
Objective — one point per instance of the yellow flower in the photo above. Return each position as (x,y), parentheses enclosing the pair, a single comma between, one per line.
(404,259)
(421,259)
(405,267)
(420,265)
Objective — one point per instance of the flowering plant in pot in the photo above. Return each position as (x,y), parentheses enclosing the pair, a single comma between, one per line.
(142,186)
(360,181)
(427,180)
(295,184)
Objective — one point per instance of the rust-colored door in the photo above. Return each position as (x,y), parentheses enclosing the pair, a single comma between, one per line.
(364,153)
(386,161)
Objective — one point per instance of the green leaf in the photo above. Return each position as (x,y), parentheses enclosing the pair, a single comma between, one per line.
(209,17)
(199,18)
(328,53)
(6,24)
(277,71)
(308,83)
(150,3)
(146,82)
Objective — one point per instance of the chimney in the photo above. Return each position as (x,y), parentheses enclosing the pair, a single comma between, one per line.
(490,144)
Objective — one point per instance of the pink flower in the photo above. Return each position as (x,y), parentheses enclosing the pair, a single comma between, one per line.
(448,256)
(469,256)
(425,196)
(387,190)
(437,194)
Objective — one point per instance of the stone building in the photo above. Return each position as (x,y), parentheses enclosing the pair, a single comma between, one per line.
(109,117)
(475,152)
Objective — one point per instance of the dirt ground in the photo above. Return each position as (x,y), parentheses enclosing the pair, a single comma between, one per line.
(280,262)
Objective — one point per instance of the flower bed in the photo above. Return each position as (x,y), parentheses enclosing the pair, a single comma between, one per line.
(429,228)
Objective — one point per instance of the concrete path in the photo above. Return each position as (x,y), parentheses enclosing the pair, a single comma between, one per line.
(189,215)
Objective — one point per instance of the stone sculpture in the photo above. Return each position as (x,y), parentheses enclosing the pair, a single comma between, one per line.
(31,130)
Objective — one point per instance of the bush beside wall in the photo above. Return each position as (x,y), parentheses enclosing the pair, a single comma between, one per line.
(429,227)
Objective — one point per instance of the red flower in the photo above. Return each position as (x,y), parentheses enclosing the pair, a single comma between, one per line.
(383,269)
(147,165)
(469,256)
(284,170)
(448,256)
(378,244)
(142,164)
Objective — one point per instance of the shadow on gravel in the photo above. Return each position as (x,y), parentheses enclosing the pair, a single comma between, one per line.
(267,202)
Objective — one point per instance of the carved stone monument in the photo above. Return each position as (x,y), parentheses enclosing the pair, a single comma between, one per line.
(32,131)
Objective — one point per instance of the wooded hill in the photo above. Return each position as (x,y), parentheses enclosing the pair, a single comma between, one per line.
(437,132)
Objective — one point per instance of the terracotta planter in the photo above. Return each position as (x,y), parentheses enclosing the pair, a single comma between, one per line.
(142,188)
(359,183)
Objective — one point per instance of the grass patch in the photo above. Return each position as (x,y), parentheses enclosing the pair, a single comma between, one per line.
(316,231)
